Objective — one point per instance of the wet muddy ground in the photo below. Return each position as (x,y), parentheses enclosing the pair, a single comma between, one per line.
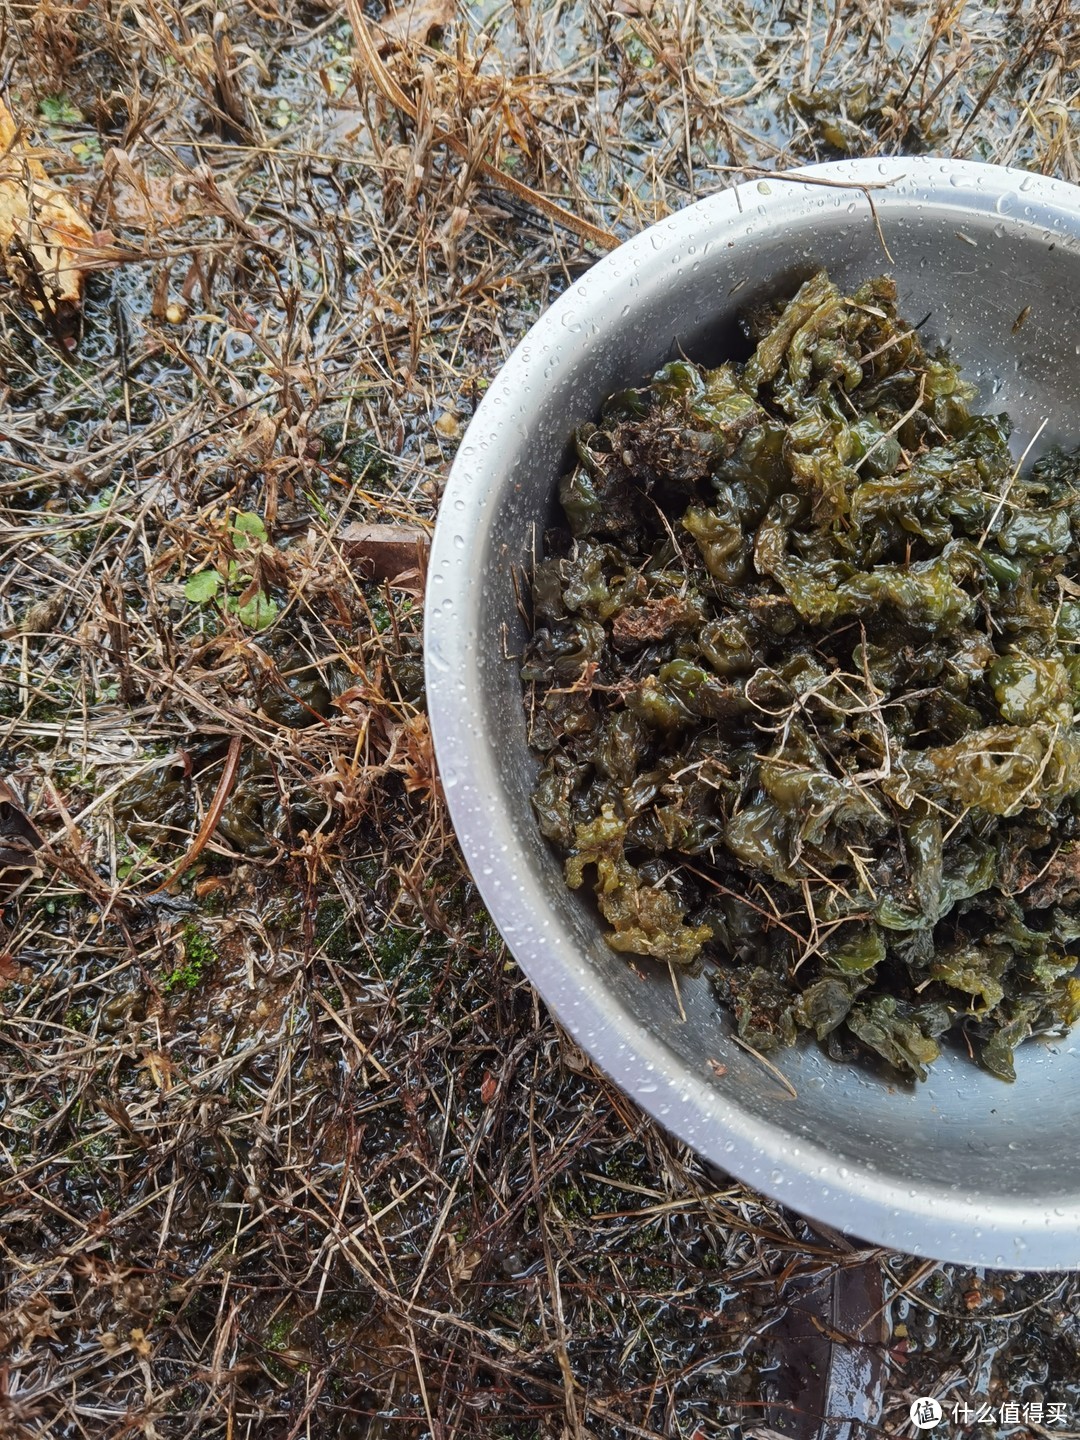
(289,1146)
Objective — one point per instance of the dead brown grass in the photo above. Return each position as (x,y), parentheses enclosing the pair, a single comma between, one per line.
(289,1147)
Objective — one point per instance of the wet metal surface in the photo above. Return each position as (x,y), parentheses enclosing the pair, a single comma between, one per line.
(962,1167)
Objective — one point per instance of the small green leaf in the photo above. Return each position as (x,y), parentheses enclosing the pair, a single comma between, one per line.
(58,110)
(87,149)
(324,515)
(258,612)
(202,586)
(246,527)
(102,500)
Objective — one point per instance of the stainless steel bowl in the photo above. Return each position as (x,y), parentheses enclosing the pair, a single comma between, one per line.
(964,1167)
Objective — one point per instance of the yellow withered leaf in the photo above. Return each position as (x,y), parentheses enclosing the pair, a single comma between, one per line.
(46,245)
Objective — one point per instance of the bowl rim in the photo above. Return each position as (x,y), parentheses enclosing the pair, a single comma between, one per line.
(847,1195)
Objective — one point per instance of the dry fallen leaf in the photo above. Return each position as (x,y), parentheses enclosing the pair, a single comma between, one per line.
(412,739)
(20,840)
(572,1055)
(462,1262)
(47,245)
(141,201)
(414,21)
(397,553)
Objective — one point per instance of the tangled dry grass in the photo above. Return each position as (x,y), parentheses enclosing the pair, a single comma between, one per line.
(288,1146)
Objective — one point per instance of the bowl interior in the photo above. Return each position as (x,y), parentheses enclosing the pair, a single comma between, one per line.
(963,1166)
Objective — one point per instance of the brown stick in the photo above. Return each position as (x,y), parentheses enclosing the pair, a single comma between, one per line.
(212,817)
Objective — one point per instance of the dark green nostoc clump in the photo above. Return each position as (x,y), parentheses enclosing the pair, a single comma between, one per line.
(804,673)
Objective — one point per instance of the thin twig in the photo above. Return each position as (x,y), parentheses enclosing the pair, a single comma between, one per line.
(213,815)
(763,1060)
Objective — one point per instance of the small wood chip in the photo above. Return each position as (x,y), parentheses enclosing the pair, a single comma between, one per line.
(388,552)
